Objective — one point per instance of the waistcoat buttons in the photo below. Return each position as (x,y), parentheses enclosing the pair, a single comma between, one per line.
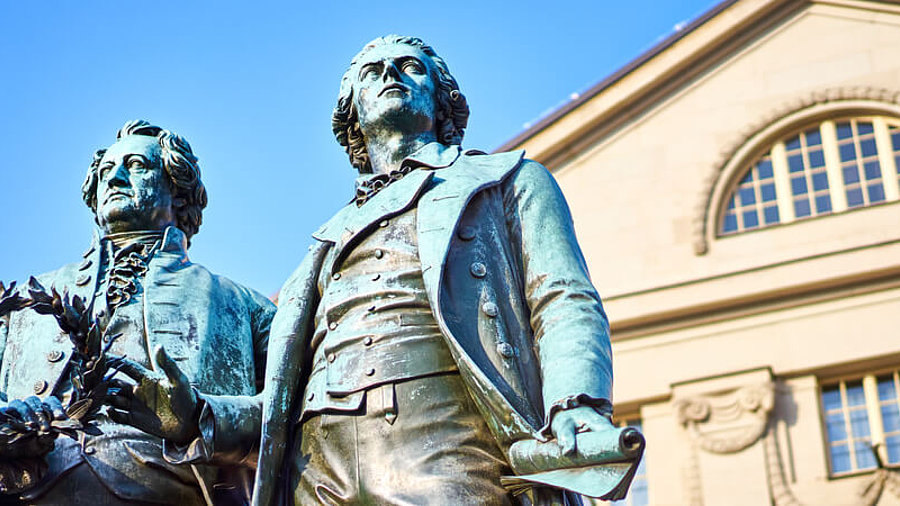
(332,325)
(379,253)
(478,269)
(367,340)
(54,356)
(490,309)
(466,232)
(336,276)
(331,357)
(505,350)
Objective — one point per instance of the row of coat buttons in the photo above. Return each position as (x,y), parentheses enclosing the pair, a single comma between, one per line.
(40,386)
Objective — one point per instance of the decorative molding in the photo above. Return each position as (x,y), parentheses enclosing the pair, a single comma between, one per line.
(729,422)
(767,129)
(778,487)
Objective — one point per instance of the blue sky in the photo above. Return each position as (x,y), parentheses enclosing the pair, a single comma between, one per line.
(252,86)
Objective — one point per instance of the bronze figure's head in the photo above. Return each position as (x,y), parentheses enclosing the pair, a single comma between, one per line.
(148,180)
(397,80)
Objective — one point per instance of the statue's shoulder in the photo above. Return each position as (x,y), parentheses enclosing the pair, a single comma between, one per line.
(225,288)
(474,164)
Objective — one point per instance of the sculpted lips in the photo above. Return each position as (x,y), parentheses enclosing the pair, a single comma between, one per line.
(393,86)
(116,194)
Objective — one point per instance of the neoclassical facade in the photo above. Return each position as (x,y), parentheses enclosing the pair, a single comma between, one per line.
(737,194)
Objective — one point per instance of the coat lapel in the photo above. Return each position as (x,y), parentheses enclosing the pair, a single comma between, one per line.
(440,209)
(350,222)
(163,294)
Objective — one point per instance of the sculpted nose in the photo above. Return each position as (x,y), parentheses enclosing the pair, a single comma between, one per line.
(390,72)
(117,176)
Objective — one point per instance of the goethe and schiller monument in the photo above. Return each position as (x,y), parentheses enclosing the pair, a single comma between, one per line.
(441,343)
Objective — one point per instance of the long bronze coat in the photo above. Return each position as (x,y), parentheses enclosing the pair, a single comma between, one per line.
(207,323)
(507,283)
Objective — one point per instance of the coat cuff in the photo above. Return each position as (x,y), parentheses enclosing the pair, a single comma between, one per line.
(229,433)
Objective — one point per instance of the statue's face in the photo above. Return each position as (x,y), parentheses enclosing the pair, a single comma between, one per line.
(393,89)
(133,191)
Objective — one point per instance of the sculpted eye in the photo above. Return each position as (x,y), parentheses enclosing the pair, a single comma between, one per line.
(136,163)
(412,67)
(368,74)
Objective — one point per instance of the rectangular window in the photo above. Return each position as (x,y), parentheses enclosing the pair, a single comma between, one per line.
(862,417)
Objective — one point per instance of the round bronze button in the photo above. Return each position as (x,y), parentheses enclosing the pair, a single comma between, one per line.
(478,269)
(367,340)
(379,253)
(466,232)
(370,371)
(40,386)
(55,356)
(383,223)
(90,450)
(331,357)
(505,350)
(336,276)
(332,325)
(490,309)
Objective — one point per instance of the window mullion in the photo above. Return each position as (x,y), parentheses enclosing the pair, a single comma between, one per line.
(886,160)
(783,194)
(873,406)
(845,409)
(833,166)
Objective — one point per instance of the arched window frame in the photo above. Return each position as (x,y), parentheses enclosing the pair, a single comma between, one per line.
(770,138)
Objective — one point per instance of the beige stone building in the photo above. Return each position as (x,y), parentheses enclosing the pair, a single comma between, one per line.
(736,193)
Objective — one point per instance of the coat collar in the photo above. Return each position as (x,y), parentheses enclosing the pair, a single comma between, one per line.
(396,198)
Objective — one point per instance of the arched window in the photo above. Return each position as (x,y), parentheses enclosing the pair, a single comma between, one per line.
(830,167)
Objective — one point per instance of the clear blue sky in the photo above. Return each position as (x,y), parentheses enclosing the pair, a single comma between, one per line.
(251,86)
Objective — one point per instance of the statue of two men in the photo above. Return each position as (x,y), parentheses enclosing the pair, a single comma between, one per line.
(441,319)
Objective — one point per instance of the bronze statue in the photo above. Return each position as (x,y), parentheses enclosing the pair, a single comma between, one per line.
(441,343)
(153,306)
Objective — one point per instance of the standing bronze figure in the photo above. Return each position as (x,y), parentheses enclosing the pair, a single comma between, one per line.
(441,343)
(152,305)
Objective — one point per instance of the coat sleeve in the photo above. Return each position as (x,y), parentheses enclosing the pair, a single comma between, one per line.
(571,330)
(230,424)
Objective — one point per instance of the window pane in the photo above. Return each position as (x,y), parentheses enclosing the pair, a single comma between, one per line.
(855,394)
(864,127)
(798,185)
(795,163)
(893,449)
(886,389)
(813,137)
(851,175)
(876,193)
(731,202)
(801,208)
(767,192)
(865,458)
(859,423)
(848,152)
(854,197)
(867,147)
(765,168)
(843,130)
(890,417)
(751,219)
(747,196)
(823,204)
(771,215)
(831,398)
(820,181)
(729,224)
(835,428)
(816,158)
(873,170)
(840,458)
(748,178)
(792,143)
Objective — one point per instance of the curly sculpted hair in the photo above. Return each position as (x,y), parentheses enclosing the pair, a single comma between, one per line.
(180,165)
(452,113)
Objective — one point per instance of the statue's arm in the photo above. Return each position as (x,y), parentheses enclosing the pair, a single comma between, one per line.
(4,333)
(571,330)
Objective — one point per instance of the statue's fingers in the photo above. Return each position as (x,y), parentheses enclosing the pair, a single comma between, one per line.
(56,408)
(134,370)
(173,372)
(117,387)
(594,422)
(118,415)
(564,430)
(41,415)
